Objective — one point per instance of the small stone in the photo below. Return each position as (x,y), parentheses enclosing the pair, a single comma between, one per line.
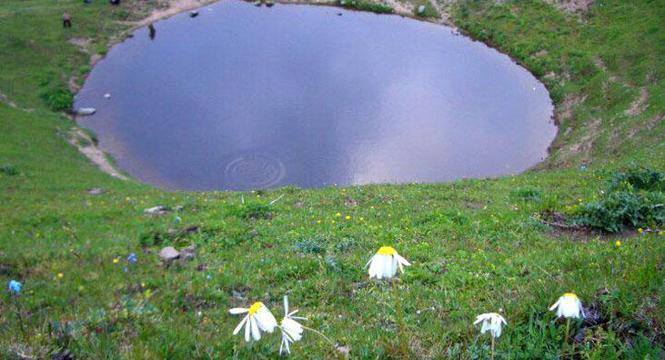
(5,269)
(237,295)
(421,9)
(345,351)
(107,96)
(193,13)
(156,210)
(188,253)
(169,254)
(85,111)
(96,191)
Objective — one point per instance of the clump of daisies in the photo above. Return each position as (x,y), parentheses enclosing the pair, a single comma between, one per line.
(260,320)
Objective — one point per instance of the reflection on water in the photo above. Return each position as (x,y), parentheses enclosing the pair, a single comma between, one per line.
(243,97)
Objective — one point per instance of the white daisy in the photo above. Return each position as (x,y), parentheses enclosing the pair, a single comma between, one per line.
(385,262)
(259,318)
(492,322)
(291,329)
(568,306)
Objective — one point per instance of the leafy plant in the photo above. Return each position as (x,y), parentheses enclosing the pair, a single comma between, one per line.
(635,198)
(9,170)
(58,99)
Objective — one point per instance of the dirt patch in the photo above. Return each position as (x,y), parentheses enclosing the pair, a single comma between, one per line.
(601,65)
(73,84)
(560,228)
(564,111)
(173,7)
(400,7)
(5,99)
(639,104)
(572,6)
(81,43)
(87,147)
(646,126)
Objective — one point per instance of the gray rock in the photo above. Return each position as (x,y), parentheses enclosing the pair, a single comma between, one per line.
(96,191)
(157,210)
(169,254)
(343,351)
(85,111)
(188,253)
(421,9)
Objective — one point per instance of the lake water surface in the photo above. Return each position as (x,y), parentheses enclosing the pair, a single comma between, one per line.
(243,97)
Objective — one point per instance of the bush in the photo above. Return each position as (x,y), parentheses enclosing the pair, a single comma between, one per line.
(634,198)
(9,170)
(638,179)
(58,99)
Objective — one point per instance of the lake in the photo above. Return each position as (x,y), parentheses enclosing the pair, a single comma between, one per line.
(244,97)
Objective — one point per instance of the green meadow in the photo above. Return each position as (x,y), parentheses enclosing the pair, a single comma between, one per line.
(589,219)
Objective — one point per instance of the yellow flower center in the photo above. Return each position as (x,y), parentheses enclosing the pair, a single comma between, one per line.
(386,250)
(255,307)
(570,296)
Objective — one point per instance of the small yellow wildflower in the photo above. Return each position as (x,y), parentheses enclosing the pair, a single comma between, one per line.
(318,221)
(617,243)
(640,230)
(338,215)
(60,275)
(348,217)
(116,260)
(661,233)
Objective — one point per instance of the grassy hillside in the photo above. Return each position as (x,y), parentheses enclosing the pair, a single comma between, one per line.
(475,245)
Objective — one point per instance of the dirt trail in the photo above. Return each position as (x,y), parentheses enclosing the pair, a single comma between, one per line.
(87,147)
(174,7)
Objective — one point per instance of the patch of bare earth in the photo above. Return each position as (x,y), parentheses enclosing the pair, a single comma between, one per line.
(5,99)
(87,147)
(572,6)
(399,7)
(170,8)
(639,104)
(81,43)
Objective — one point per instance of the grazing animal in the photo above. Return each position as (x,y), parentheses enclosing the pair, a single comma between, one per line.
(66,20)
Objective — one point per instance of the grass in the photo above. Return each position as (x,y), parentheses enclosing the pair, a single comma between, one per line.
(476,245)
(428,12)
(364,5)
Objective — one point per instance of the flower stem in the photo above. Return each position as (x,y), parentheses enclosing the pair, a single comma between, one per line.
(404,346)
(334,345)
(565,339)
(493,347)
(19,317)
(319,333)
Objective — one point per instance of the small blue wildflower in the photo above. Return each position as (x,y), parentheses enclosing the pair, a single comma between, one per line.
(583,167)
(132,259)
(15,287)
(208,277)
(125,269)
